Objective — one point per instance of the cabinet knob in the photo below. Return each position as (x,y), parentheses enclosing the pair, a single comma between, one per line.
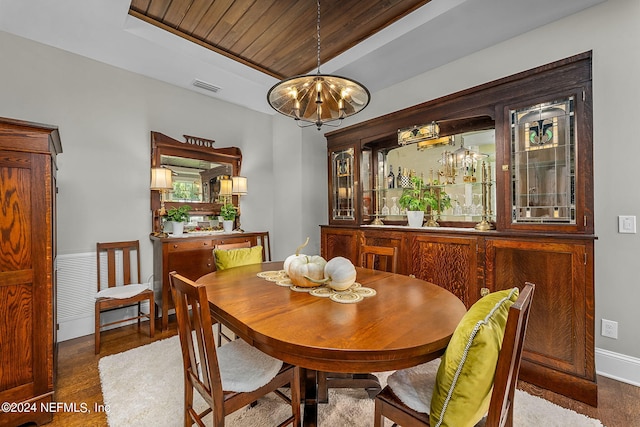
(208,264)
(205,244)
(484,292)
(175,246)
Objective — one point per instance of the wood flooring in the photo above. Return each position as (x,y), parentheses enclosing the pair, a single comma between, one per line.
(78,381)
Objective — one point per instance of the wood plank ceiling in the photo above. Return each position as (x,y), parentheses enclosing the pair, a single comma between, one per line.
(277,37)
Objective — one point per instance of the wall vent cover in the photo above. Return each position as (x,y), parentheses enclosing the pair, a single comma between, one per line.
(206,86)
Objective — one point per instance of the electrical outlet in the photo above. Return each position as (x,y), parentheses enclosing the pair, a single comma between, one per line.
(609,329)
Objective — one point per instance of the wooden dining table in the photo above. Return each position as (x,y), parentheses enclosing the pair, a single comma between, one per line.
(407,322)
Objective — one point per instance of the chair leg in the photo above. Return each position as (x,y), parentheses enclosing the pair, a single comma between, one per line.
(139,311)
(378,420)
(97,330)
(152,317)
(323,388)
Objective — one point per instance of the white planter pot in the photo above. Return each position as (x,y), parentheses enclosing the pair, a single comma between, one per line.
(177,228)
(415,218)
(227,226)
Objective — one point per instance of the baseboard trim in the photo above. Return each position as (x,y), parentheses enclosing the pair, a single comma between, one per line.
(79,326)
(618,366)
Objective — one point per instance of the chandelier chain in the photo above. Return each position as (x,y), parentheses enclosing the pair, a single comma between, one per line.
(334,97)
(318,31)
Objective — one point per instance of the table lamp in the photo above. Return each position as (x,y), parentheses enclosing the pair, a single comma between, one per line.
(239,188)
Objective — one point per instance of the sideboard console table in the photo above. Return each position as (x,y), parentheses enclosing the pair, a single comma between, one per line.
(192,256)
(508,168)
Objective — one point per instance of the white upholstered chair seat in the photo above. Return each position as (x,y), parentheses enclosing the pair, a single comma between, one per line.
(414,386)
(122,292)
(244,368)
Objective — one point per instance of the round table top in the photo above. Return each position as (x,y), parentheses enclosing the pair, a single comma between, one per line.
(408,321)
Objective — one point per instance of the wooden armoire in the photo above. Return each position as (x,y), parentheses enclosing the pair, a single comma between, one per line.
(27,270)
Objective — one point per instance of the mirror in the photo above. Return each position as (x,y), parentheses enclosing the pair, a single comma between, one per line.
(458,166)
(195,180)
(196,168)
(456,163)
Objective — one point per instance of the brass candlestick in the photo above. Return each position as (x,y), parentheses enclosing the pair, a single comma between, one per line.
(485,224)
(377,220)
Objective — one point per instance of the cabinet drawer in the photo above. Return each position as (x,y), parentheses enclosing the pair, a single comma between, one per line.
(233,240)
(189,246)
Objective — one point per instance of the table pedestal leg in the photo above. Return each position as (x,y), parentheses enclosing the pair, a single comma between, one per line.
(310,416)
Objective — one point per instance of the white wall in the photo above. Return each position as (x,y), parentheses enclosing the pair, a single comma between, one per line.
(105,116)
(612,31)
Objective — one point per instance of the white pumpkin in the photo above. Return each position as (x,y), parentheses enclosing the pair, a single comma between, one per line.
(339,274)
(297,255)
(304,270)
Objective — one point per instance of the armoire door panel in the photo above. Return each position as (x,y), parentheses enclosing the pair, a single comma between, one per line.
(16,357)
(16,217)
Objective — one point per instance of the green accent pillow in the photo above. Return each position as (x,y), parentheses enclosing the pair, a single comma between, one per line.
(464,381)
(228,258)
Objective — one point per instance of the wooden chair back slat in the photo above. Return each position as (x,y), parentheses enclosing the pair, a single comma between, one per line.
(379,258)
(237,245)
(112,249)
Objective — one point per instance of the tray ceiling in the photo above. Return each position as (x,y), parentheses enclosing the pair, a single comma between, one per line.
(277,37)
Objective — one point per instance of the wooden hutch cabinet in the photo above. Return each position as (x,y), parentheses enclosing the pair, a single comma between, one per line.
(512,162)
(27,269)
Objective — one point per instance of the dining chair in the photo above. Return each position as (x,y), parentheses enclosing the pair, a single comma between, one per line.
(381,258)
(228,377)
(123,287)
(462,387)
(229,255)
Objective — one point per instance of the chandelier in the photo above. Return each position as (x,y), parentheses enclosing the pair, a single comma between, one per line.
(318,99)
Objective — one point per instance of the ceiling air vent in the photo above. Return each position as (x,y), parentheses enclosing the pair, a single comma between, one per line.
(206,86)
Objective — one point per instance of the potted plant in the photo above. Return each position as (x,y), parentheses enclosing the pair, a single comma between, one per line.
(228,213)
(415,199)
(178,216)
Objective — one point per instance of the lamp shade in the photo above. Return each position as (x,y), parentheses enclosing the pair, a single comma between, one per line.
(226,187)
(239,185)
(161,179)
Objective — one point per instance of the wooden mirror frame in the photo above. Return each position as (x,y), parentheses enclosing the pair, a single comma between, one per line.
(192,147)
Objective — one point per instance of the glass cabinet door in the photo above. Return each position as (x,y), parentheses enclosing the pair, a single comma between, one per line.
(342,179)
(543,156)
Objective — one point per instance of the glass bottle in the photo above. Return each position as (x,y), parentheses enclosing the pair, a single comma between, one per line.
(391,179)
(385,208)
(399,178)
(395,210)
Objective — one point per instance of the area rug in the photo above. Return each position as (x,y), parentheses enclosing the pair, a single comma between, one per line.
(144,387)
